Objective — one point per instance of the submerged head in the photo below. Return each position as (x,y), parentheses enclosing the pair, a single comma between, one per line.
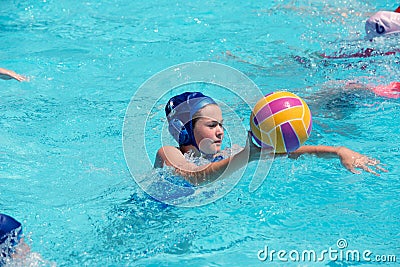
(195,119)
(382,23)
(10,232)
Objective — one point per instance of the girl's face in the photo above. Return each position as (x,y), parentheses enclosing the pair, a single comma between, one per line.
(208,131)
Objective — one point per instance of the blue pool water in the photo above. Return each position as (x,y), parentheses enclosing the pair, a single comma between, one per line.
(62,167)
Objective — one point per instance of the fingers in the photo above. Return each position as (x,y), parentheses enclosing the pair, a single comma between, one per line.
(249,135)
(248,140)
(365,168)
(364,162)
(380,168)
(21,78)
(375,162)
(351,168)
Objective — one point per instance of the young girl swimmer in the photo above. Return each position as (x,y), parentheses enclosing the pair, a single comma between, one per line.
(195,122)
(381,24)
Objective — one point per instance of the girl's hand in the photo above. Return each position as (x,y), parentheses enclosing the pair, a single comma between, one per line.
(255,152)
(352,160)
(9,74)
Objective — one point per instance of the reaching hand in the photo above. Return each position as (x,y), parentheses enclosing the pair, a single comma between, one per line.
(255,152)
(352,160)
(9,74)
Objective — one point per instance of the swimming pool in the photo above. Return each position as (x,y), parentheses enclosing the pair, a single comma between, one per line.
(63,172)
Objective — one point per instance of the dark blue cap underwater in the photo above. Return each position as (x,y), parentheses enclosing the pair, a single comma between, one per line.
(10,231)
(180,110)
(8,225)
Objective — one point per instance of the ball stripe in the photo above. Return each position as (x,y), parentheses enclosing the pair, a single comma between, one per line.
(290,137)
(279,142)
(275,107)
(301,131)
(258,134)
(309,127)
(262,114)
(306,113)
(260,143)
(281,117)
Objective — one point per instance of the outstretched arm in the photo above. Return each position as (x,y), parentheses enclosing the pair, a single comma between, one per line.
(350,159)
(9,74)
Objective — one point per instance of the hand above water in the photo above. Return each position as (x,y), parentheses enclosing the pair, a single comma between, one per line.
(256,152)
(9,74)
(352,160)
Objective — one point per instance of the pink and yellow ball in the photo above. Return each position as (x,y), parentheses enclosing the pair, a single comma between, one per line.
(281,120)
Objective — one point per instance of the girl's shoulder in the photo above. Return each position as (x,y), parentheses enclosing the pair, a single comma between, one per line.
(168,149)
(168,155)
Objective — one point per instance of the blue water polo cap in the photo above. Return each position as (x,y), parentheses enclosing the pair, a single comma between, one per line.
(180,110)
(8,226)
(10,232)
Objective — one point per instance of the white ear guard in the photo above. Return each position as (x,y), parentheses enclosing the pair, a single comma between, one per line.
(178,131)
